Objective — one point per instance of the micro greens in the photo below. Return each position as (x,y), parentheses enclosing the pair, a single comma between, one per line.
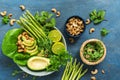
(104,31)
(97,16)
(93,51)
(73,71)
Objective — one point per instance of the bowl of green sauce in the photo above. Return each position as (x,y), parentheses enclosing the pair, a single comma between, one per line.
(92,51)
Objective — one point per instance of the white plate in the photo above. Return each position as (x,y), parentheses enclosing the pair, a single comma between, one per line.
(41,73)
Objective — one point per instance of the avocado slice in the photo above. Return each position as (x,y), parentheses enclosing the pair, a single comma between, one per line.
(28,43)
(38,63)
(31,47)
(32,52)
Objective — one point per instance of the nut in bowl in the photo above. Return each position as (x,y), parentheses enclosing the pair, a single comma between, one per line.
(92,51)
(75,26)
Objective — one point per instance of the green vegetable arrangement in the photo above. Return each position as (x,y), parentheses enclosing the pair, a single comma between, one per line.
(97,16)
(93,51)
(73,71)
(38,27)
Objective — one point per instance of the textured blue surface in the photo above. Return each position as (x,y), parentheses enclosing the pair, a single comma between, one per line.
(68,8)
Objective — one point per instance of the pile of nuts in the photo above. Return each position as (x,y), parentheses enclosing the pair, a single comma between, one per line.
(75,26)
(20,45)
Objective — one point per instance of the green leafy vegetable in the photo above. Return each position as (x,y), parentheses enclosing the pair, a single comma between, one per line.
(21,59)
(46,20)
(73,71)
(5,19)
(9,47)
(97,16)
(93,51)
(104,32)
(57,61)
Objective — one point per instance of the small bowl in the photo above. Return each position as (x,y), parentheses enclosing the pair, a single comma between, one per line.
(82,52)
(74,27)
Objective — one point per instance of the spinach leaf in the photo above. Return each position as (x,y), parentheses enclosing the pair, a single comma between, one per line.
(21,59)
(9,42)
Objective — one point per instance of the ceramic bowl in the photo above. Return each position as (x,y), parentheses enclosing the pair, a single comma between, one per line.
(41,73)
(82,52)
(79,26)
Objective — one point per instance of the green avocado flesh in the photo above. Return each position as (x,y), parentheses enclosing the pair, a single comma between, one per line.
(38,63)
(31,46)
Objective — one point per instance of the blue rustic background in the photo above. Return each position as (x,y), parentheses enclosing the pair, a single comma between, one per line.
(68,8)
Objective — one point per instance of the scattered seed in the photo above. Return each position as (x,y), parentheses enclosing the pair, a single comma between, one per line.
(94,72)
(9,15)
(3,13)
(93,78)
(12,22)
(71,40)
(54,10)
(22,7)
(103,72)
(87,21)
(92,30)
(58,13)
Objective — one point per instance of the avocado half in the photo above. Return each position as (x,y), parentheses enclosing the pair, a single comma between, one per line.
(38,63)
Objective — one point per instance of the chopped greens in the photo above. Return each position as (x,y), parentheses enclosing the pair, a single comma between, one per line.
(46,20)
(97,16)
(58,60)
(93,51)
(5,19)
(73,71)
(104,31)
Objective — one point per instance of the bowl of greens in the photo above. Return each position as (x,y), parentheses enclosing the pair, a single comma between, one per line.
(37,47)
(92,51)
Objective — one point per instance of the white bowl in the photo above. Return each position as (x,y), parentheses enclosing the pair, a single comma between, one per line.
(41,73)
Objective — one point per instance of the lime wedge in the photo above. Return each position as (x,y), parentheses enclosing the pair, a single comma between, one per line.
(54,35)
(58,48)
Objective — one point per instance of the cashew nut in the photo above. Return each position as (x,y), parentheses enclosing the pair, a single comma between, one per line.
(22,7)
(9,15)
(58,13)
(12,22)
(87,21)
(54,10)
(103,71)
(92,30)
(93,78)
(3,13)
(94,72)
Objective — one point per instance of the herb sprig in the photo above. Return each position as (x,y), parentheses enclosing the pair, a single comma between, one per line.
(97,16)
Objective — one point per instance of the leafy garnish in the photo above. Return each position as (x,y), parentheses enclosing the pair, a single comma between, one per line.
(104,31)
(46,20)
(5,19)
(97,16)
(57,61)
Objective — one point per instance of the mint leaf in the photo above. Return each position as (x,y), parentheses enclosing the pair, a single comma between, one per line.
(104,32)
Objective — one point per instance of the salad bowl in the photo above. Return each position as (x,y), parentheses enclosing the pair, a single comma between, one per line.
(42,73)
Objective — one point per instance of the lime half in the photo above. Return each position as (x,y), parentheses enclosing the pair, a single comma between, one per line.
(54,35)
(58,48)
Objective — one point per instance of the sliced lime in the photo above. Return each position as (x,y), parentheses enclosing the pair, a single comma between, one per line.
(58,48)
(54,35)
